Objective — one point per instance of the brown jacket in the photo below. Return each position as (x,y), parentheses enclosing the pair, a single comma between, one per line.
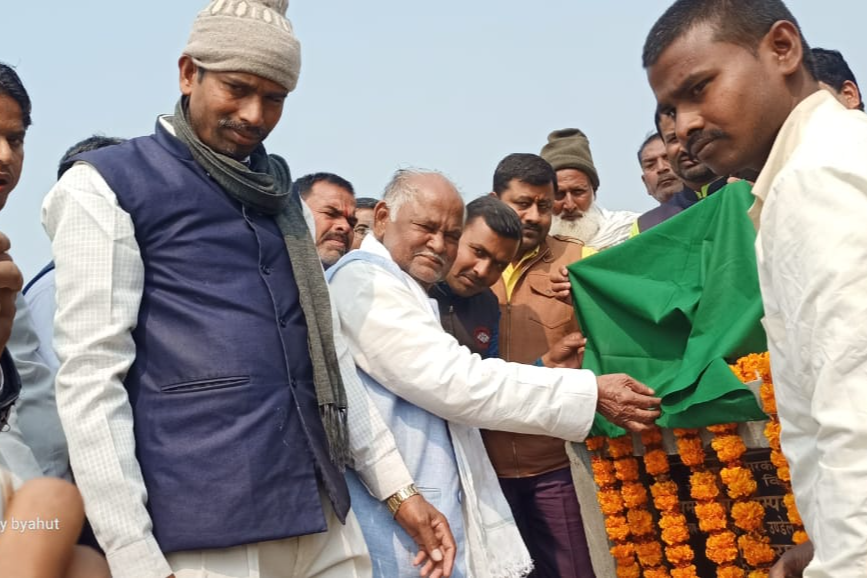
(530,323)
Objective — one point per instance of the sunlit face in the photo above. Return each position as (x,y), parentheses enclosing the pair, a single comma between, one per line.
(423,238)
(333,209)
(11,146)
(363,223)
(231,112)
(482,257)
(693,173)
(656,173)
(574,194)
(534,205)
(727,102)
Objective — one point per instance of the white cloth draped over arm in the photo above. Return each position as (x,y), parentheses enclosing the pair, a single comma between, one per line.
(100,278)
(401,344)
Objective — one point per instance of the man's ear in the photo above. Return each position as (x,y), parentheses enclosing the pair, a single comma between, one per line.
(381,216)
(643,180)
(188,72)
(784,42)
(851,94)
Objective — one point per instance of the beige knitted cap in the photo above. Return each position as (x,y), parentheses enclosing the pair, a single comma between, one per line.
(252,36)
(568,148)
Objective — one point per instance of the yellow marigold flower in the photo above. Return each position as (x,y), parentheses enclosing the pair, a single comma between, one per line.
(739,482)
(679,555)
(728,448)
(756,549)
(685,572)
(729,572)
(595,443)
(721,548)
(640,522)
(649,553)
(799,537)
(620,447)
(617,528)
(656,462)
(622,551)
(690,450)
(772,432)
(748,516)
(711,516)
(703,486)
(627,469)
(634,494)
(651,437)
(610,501)
(723,428)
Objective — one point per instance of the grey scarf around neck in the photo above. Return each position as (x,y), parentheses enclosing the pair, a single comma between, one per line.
(266,187)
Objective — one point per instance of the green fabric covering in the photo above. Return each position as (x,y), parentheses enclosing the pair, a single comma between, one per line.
(672,306)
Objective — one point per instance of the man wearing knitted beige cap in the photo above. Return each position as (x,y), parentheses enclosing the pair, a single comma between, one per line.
(577,215)
(204,381)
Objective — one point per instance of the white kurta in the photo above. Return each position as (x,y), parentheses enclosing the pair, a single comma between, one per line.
(811,211)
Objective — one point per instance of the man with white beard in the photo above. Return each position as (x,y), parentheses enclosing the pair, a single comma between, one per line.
(577,215)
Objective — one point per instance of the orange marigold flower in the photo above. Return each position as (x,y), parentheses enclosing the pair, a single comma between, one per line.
(756,549)
(739,482)
(674,529)
(723,428)
(685,432)
(616,528)
(626,469)
(703,486)
(758,574)
(784,475)
(661,572)
(634,494)
(685,572)
(610,501)
(620,447)
(651,437)
(690,450)
(640,522)
(622,551)
(721,548)
(778,459)
(595,443)
(665,496)
(792,510)
(772,432)
(711,516)
(628,571)
(748,516)
(729,572)
(649,553)
(656,462)
(728,448)
(799,537)
(679,555)
(603,471)
(769,402)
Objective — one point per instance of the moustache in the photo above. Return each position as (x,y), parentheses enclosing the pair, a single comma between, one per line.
(342,237)
(430,255)
(244,128)
(699,139)
(532,227)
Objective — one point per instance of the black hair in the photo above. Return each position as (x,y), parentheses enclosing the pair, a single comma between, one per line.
(832,69)
(11,86)
(652,136)
(91,143)
(365,203)
(527,168)
(304,185)
(741,22)
(499,216)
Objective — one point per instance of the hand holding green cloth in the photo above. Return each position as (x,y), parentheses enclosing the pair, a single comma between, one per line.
(671,306)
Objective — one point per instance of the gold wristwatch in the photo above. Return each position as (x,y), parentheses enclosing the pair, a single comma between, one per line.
(399,497)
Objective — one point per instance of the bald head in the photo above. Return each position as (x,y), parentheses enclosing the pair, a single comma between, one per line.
(419,221)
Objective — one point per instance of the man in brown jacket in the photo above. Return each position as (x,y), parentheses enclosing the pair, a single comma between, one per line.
(534,471)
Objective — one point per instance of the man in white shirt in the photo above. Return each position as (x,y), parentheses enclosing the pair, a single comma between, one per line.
(737,79)
(434,393)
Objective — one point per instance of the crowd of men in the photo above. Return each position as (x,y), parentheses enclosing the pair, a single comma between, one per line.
(237,374)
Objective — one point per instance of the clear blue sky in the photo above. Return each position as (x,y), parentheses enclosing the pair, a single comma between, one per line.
(451,85)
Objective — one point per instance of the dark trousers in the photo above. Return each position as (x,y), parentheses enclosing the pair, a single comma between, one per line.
(548,516)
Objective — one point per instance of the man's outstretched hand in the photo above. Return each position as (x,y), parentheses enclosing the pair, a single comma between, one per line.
(430,530)
(568,352)
(626,402)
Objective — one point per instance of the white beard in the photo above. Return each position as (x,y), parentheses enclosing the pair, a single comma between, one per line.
(583,229)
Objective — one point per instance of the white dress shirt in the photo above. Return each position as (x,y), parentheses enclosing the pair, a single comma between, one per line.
(100,280)
(811,210)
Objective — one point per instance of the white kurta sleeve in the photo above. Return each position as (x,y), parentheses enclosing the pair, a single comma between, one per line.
(100,279)
(401,344)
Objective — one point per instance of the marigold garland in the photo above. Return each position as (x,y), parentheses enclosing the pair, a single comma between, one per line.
(750,368)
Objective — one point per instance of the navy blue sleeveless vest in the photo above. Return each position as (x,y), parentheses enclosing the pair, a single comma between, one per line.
(227,426)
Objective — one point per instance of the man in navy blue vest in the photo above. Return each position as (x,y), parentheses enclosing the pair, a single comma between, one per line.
(203,387)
